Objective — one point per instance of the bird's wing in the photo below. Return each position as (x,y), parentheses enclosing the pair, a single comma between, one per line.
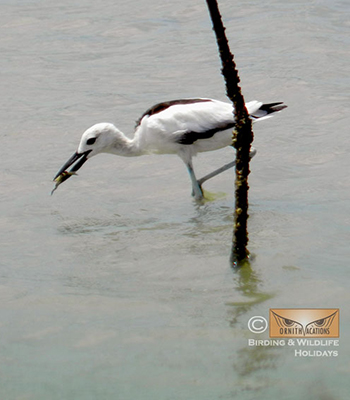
(186,121)
(166,125)
(159,107)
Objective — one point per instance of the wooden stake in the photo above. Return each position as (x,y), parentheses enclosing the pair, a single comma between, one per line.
(242,138)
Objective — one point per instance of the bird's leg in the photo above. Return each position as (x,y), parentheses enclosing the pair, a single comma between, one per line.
(222,169)
(216,172)
(197,192)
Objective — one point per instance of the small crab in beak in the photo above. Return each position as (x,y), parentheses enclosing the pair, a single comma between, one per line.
(62,175)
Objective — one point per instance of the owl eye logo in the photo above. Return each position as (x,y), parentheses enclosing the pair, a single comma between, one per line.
(304,322)
(288,326)
(320,324)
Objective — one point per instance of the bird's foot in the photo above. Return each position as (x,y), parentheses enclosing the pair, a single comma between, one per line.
(197,193)
(209,196)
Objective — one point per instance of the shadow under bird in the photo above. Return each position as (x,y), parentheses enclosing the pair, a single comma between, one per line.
(183,127)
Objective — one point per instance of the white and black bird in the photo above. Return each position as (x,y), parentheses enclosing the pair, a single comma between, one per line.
(183,127)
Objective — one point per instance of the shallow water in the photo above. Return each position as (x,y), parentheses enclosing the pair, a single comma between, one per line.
(119,286)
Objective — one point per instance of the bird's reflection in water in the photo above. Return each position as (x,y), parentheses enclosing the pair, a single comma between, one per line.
(251,358)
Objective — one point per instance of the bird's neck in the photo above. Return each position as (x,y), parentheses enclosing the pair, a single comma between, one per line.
(123,146)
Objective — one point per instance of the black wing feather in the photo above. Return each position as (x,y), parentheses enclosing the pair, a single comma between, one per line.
(157,108)
(191,137)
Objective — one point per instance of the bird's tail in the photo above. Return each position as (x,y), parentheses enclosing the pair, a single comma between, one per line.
(265,110)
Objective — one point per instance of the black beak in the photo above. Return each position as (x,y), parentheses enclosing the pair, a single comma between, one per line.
(75,157)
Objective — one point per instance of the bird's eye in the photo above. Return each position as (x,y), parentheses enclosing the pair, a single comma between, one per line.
(91,140)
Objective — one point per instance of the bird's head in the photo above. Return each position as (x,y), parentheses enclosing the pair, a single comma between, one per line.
(100,138)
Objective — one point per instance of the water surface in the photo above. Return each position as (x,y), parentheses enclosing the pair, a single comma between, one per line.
(119,285)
